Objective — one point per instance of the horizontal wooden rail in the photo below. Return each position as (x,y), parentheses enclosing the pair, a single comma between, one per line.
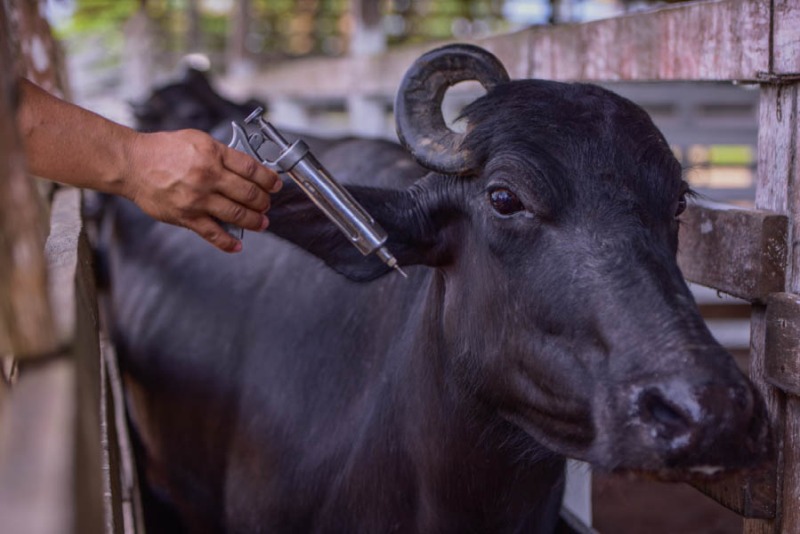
(750,493)
(720,40)
(740,252)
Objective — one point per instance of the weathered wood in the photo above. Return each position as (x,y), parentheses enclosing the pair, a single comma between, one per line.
(715,40)
(786,37)
(237,61)
(722,40)
(775,408)
(782,350)
(49,434)
(750,493)
(790,494)
(25,318)
(741,252)
(37,451)
(124,514)
(790,511)
(777,138)
(777,170)
(39,57)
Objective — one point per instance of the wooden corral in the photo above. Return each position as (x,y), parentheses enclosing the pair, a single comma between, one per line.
(51,417)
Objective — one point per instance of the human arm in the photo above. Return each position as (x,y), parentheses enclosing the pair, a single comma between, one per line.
(184,178)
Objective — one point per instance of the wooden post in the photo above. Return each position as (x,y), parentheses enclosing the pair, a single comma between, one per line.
(138,54)
(236,60)
(50,471)
(778,190)
(194,34)
(26,324)
(367,114)
(778,148)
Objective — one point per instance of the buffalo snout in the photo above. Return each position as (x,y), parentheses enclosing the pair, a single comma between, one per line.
(702,426)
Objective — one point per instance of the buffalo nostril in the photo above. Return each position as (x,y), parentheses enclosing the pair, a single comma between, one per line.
(663,414)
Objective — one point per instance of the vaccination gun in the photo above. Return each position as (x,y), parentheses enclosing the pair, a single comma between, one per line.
(314,180)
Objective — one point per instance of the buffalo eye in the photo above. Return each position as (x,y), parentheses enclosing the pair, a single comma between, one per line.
(681,207)
(504,201)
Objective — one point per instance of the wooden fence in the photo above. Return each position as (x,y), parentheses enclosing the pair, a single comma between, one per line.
(752,254)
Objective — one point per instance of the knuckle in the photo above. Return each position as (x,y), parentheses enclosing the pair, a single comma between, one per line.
(211,233)
(250,167)
(237,213)
(253,194)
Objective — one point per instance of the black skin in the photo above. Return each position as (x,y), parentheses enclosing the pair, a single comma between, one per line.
(188,103)
(544,317)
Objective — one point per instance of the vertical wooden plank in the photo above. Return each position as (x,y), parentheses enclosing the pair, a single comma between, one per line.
(50,473)
(790,508)
(236,60)
(775,408)
(139,55)
(36,454)
(791,433)
(25,318)
(786,36)
(777,190)
(49,433)
(366,115)
(40,58)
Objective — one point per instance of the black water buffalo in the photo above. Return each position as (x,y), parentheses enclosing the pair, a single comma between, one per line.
(298,387)
(190,102)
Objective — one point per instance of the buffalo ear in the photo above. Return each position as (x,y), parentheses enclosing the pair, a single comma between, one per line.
(410,219)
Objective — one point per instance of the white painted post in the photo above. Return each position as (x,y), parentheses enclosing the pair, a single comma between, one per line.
(578,491)
(367,115)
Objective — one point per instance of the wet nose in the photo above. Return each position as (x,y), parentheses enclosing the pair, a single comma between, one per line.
(686,421)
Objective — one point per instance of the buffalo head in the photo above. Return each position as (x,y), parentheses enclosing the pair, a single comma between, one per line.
(190,102)
(552,224)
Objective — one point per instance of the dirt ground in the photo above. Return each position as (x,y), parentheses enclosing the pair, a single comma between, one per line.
(624,506)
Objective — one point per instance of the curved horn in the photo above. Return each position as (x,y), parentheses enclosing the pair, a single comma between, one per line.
(418,109)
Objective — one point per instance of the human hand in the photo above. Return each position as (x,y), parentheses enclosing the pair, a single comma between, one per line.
(189,179)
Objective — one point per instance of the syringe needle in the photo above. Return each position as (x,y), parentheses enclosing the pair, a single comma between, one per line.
(387,258)
(399,270)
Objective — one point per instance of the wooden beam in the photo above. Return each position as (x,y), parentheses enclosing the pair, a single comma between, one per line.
(712,40)
(750,493)
(737,251)
(718,40)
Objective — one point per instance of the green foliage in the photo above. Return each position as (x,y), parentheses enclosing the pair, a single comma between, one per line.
(287,27)
(731,155)
(98,16)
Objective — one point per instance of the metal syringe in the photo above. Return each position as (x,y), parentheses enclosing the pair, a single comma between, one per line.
(314,180)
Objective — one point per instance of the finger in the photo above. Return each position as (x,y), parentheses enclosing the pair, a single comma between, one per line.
(232,212)
(247,167)
(244,192)
(212,232)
